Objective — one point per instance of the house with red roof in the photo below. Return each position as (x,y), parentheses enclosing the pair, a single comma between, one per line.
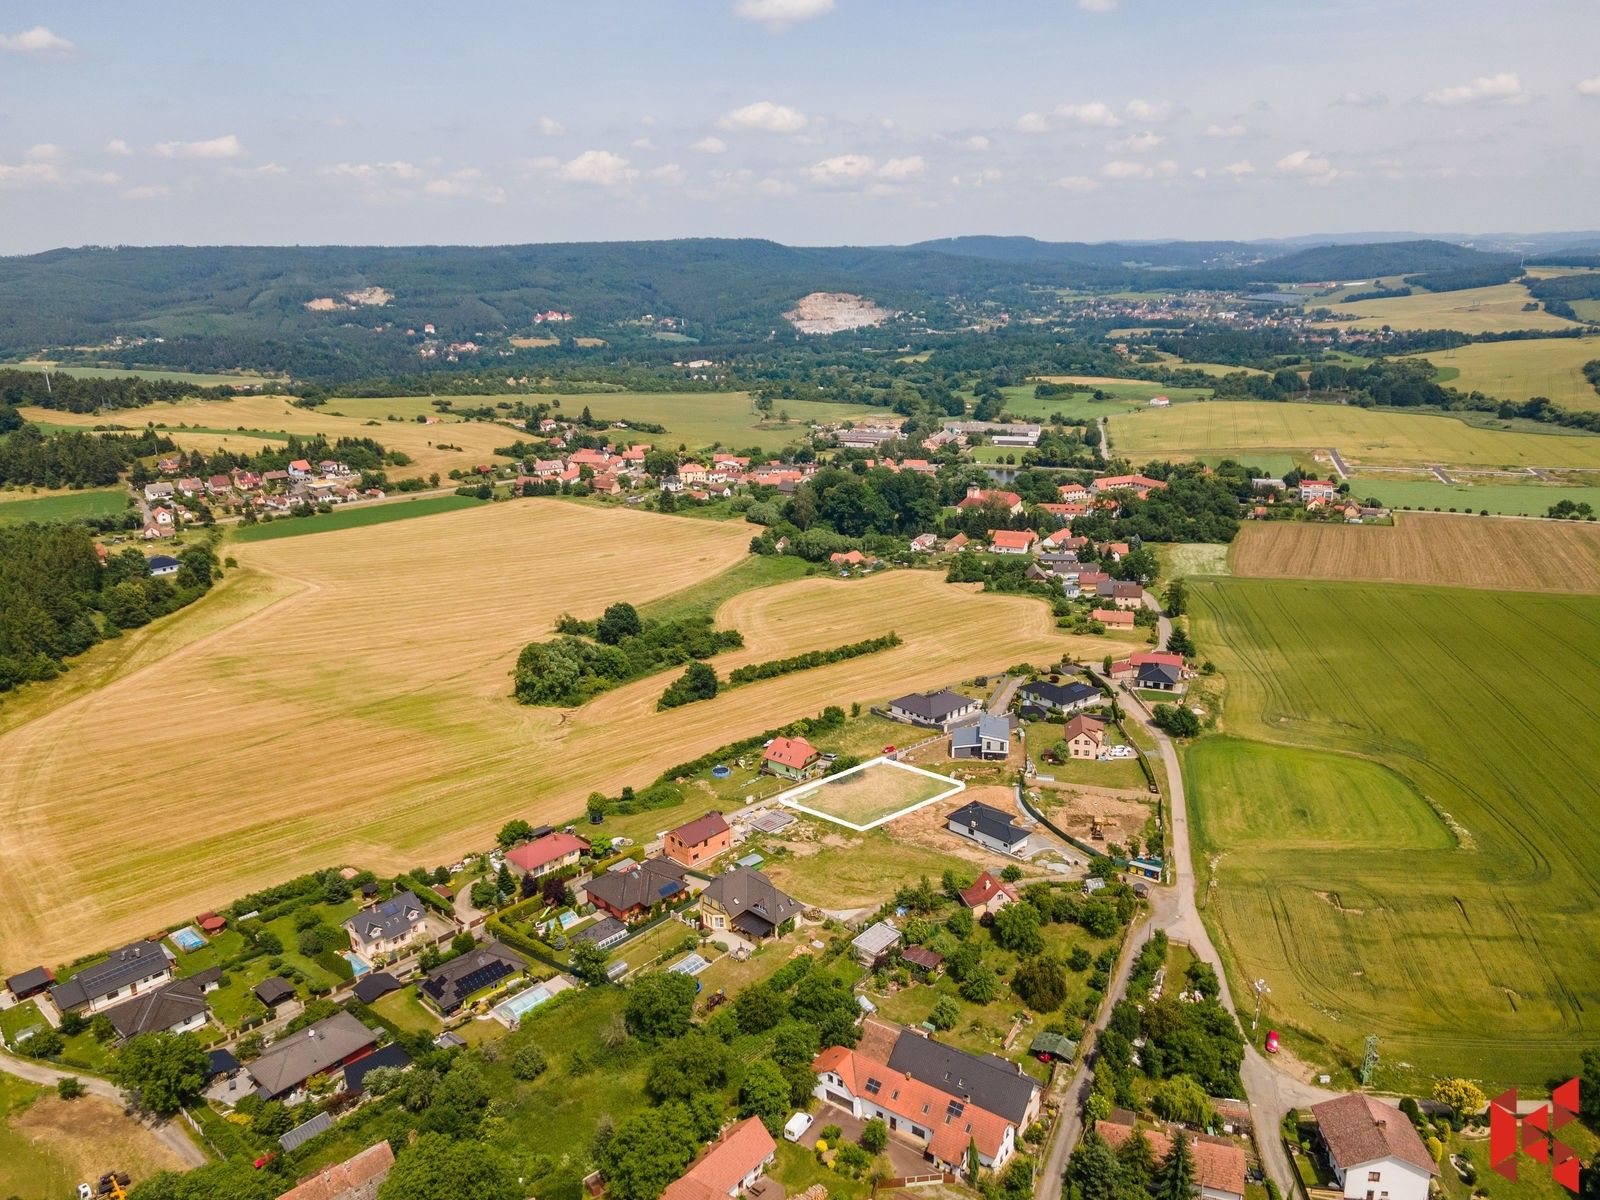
(988,895)
(1084,737)
(1012,541)
(552,852)
(300,469)
(589,458)
(1128,668)
(1324,490)
(1075,493)
(730,1167)
(977,496)
(1374,1150)
(1219,1165)
(1139,485)
(790,758)
(698,841)
(1112,618)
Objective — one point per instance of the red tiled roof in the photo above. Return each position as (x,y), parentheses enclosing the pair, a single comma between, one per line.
(1216,1166)
(701,829)
(1112,616)
(1136,482)
(720,1168)
(795,753)
(548,849)
(919,1103)
(984,889)
(1358,1129)
(1009,499)
(1082,724)
(342,1179)
(1012,539)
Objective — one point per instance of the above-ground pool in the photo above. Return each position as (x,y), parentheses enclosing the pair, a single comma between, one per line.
(721,771)
(358,966)
(188,938)
(692,965)
(514,1009)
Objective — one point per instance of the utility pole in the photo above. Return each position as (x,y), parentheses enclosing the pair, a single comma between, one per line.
(1261,989)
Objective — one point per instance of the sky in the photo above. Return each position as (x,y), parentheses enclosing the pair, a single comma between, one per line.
(812,122)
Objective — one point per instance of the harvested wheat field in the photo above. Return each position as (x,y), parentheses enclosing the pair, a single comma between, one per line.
(355,707)
(1457,551)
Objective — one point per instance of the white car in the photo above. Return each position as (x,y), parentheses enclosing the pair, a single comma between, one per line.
(796,1127)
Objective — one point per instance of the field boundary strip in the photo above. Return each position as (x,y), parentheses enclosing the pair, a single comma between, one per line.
(792,797)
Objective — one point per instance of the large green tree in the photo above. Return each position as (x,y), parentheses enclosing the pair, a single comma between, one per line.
(1174,1179)
(235,1180)
(765,1094)
(165,1070)
(647,1151)
(659,1006)
(434,1167)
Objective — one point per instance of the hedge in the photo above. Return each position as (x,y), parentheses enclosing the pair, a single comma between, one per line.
(812,658)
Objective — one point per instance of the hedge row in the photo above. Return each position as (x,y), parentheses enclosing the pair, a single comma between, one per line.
(812,658)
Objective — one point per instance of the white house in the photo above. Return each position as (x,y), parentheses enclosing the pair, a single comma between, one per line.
(1375,1152)
(730,1167)
(1324,490)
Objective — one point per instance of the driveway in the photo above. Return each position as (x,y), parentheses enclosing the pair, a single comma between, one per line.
(905,1155)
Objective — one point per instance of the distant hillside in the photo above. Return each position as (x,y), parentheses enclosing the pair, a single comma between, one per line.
(1370,261)
(1102,254)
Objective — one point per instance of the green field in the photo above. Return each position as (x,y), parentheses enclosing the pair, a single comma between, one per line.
(63,506)
(1421,865)
(243,379)
(1474,310)
(1123,395)
(367,513)
(1242,427)
(1519,370)
(700,419)
(1512,499)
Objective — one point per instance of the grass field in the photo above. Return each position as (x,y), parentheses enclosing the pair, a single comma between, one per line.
(1548,367)
(354,517)
(700,419)
(872,793)
(1426,874)
(1529,499)
(242,379)
(345,699)
(1456,551)
(1123,395)
(1241,427)
(16,507)
(1475,310)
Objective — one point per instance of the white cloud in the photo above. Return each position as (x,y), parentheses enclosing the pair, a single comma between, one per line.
(1095,114)
(642,143)
(1504,88)
(976,142)
(1121,168)
(264,171)
(1590,87)
(118,146)
(780,13)
(600,168)
(1361,100)
(841,169)
(37,40)
(1234,130)
(467,183)
(903,168)
(1098,5)
(1239,169)
(44,152)
(771,186)
(147,191)
(382,172)
(551,127)
(226,146)
(669,173)
(765,117)
(1032,122)
(1137,143)
(1314,168)
(28,174)
(1150,110)
(709,145)
(1078,183)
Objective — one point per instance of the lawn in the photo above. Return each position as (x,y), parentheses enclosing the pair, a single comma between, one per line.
(1520,370)
(844,870)
(1474,310)
(1529,499)
(1403,845)
(394,703)
(241,379)
(1241,428)
(875,791)
(405,1010)
(354,517)
(16,507)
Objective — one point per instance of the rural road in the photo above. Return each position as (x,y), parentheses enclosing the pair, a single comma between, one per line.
(1339,463)
(169,1134)
(1105,450)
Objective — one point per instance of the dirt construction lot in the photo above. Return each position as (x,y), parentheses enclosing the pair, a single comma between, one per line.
(78,1140)
(1458,551)
(344,698)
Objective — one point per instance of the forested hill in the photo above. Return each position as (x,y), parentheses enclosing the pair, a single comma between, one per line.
(225,307)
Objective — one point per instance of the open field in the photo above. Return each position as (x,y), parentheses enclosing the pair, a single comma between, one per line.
(1475,310)
(1456,551)
(699,419)
(1529,499)
(48,1145)
(241,379)
(240,423)
(1548,367)
(1123,395)
(1241,427)
(322,727)
(1440,891)
(873,792)
(355,517)
(16,507)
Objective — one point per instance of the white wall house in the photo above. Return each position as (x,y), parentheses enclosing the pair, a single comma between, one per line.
(1375,1152)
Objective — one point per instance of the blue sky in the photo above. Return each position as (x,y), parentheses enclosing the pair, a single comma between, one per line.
(808,121)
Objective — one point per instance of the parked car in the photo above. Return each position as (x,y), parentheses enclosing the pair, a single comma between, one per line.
(796,1127)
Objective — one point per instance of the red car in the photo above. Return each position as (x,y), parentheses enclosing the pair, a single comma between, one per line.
(1272,1041)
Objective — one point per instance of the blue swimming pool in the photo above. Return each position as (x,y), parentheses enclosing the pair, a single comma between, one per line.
(188,938)
(358,968)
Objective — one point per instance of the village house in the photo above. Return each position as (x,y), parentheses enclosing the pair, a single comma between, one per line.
(730,1167)
(1140,485)
(162,566)
(936,710)
(633,893)
(1324,490)
(388,927)
(1219,1166)
(790,758)
(990,738)
(451,985)
(989,827)
(190,486)
(178,1007)
(988,895)
(977,496)
(1128,668)
(1121,592)
(1058,697)
(160,490)
(1159,677)
(356,1178)
(137,967)
(958,542)
(1011,541)
(745,902)
(1085,736)
(300,470)
(924,543)
(873,945)
(1373,1149)
(1113,618)
(552,852)
(1074,493)
(325,1047)
(698,841)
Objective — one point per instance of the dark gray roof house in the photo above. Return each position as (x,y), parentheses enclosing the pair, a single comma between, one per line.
(607,931)
(382,925)
(636,891)
(273,991)
(176,1008)
(750,901)
(448,986)
(1060,696)
(1159,676)
(30,982)
(296,1057)
(987,826)
(375,985)
(136,965)
(989,1082)
(939,708)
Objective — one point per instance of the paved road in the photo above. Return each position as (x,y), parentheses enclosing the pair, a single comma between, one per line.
(171,1135)
(1339,463)
(1003,691)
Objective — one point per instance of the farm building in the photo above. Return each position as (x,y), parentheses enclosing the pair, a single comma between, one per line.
(1084,737)
(552,852)
(730,1167)
(746,902)
(634,893)
(937,710)
(987,895)
(790,758)
(136,967)
(988,827)
(698,841)
(990,738)
(1058,697)
(1373,1148)
(1219,1166)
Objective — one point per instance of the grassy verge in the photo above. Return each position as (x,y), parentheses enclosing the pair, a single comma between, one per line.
(353,518)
